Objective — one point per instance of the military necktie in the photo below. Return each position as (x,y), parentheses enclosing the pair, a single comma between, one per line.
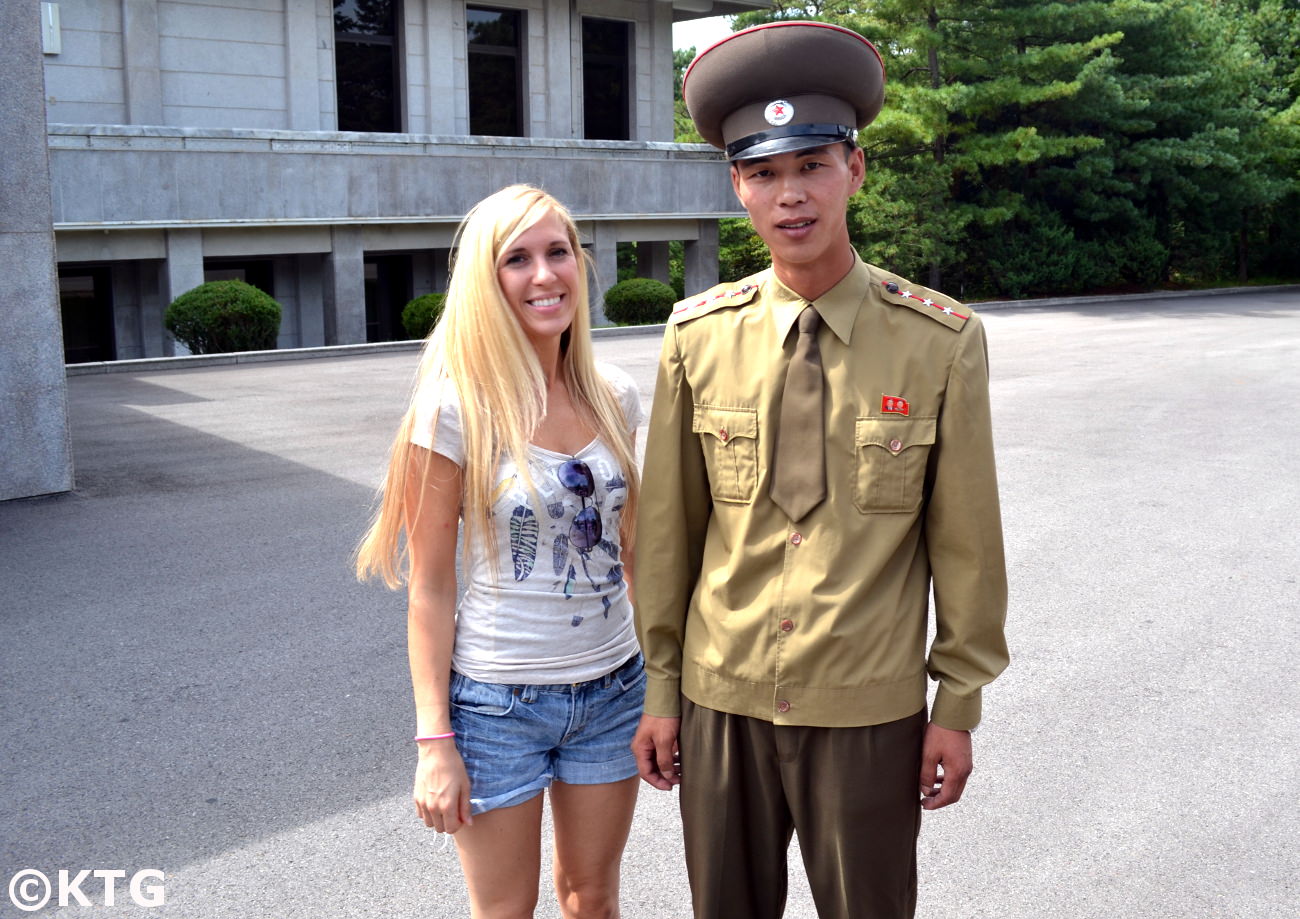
(799,473)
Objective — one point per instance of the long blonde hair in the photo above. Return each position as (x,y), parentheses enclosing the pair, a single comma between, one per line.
(479,348)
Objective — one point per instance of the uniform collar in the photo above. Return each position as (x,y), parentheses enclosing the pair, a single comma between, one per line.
(838,307)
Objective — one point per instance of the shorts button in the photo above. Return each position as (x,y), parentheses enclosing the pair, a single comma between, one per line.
(787,625)
(796,538)
(783,706)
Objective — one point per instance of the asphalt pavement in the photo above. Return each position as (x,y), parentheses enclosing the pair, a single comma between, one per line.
(192,682)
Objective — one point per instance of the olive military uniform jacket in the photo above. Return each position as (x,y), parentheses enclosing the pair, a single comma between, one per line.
(822,622)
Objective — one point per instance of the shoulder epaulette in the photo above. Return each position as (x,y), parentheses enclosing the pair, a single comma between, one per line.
(937,306)
(734,294)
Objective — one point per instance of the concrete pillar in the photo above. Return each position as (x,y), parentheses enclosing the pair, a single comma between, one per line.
(311,300)
(302,85)
(661,73)
(563,78)
(700,259)
(284,274)
(423,272)
(143,62)
(345,288)
(35,449)
(128,291)
(182,271)
(604,252)
(652,261)
(154,337)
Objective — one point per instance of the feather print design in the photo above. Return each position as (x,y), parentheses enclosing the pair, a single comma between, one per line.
(560,554)
(610,549)
(570,582)
(523,541)
(616,482)
(556,510)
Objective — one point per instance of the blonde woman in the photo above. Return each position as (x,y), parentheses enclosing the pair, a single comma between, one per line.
(534,680)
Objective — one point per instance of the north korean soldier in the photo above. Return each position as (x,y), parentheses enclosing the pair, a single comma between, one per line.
(820,456)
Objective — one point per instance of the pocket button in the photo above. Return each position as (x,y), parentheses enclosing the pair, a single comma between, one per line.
(723,435)
(895,445)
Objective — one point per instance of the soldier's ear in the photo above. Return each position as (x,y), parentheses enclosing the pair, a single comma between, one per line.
(857,167)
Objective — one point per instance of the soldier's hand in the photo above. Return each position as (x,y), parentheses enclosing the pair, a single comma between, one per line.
(946,764)
(655,748)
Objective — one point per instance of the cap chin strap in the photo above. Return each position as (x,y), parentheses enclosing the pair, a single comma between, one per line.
(833,132)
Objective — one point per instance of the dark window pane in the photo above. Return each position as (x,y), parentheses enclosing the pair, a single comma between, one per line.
(86,305)
(495,71)
(606,79)
(494,95)
(364,17)
(366,87)
(493,28)
(388,289)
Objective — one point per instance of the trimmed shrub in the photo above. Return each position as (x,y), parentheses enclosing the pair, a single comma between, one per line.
(640,301)
(422,314)
(223,316)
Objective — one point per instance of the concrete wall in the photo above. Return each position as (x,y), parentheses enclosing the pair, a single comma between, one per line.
(270,64)
(35,454)
(108,177)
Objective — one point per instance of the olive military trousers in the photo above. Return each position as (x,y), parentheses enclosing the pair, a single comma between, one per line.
(852,795)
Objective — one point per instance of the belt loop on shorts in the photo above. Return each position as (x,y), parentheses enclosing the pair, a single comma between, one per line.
(526,693)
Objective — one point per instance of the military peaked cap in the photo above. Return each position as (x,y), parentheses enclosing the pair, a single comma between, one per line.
(784,86)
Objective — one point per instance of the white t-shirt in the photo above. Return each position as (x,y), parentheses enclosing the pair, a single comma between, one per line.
(548,612)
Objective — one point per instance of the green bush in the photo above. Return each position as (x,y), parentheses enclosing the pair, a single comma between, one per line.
(223,316)
(422,314)
(639,301)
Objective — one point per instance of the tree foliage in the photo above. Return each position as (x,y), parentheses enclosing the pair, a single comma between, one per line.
(1032,147)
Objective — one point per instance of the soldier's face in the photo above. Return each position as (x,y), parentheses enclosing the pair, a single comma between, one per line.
(539,276)
(798,202)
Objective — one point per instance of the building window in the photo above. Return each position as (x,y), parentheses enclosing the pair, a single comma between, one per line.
(86,305)
(496,71)
(366,65)
(388,290)
(606,79)
(258,272)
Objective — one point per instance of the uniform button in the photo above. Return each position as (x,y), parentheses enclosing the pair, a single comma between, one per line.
(783,706)
(724,435)
(895,445)
(796,538)
(787,625)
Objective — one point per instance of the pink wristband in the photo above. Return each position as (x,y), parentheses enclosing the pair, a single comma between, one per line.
(435,736)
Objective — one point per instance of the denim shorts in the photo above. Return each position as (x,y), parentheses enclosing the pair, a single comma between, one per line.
(517,739)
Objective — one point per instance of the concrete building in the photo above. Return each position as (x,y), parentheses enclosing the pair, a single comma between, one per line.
(325,150)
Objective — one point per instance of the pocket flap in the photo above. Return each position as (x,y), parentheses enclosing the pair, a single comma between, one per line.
(894,434)
(725,423)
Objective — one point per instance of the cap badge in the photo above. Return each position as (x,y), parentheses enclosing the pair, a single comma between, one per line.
(778,113)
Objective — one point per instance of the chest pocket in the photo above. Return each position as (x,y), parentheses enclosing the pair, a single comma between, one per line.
(729,439)
(891,459)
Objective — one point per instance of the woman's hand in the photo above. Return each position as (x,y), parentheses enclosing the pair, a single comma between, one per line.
(441,787)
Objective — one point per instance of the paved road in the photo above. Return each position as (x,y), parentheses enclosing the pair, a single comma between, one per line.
(190,680)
